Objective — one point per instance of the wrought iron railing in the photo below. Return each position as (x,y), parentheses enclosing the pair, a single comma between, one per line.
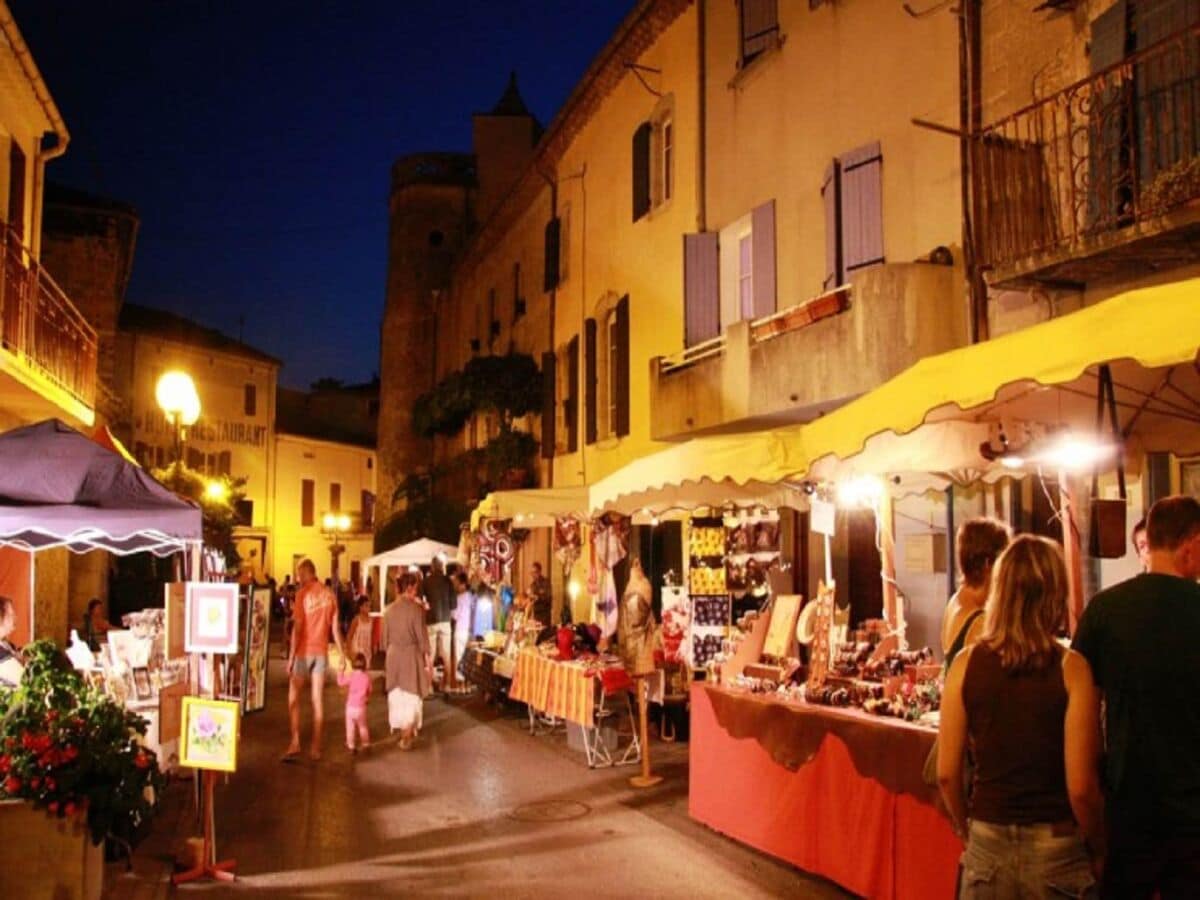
(1112,150)
(39,325)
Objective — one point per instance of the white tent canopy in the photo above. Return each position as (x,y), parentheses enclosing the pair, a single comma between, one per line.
(417,553)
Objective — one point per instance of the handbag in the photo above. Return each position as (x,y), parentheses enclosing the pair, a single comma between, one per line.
(1106,518)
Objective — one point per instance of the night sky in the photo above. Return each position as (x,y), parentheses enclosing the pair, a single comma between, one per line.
(255,138)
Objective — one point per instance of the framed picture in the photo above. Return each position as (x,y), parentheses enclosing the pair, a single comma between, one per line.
(1189,478)
(258,629)
(781,630)
(211,618)
(209,734)
(141,684)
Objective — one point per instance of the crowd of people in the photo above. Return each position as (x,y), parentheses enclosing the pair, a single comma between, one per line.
(431,619)
(1074,770)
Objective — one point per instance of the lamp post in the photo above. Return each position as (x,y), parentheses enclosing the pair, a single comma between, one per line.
(334,524)
(177,398)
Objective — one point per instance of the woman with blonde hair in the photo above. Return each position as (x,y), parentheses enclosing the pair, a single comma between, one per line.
(1030,710)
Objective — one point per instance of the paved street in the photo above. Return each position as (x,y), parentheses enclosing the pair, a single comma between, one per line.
(478,809)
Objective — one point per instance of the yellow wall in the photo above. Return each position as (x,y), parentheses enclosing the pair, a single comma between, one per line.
(847,74)
(324,462)
(220,381)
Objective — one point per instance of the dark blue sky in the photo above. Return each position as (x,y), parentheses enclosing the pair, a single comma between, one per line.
(255,139)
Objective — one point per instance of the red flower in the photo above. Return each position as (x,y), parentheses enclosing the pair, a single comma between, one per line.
(35,782)
(49,784)
(70,752)
(5,765)
(53,806)
(12,784)
(71,809)
(52,715)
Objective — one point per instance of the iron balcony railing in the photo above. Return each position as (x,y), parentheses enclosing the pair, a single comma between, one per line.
(1112,150)
(40,327)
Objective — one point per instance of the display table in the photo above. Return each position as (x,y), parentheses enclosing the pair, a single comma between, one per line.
(484,669)
(576,691)
(835,792)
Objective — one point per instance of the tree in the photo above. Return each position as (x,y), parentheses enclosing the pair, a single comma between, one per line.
(218,506)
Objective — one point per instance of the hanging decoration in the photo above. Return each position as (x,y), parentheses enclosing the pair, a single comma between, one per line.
(568,542)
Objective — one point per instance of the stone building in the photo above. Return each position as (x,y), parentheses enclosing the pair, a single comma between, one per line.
(88,246)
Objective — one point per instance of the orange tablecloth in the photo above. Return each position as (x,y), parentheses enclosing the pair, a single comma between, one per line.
(826,817)
(563,689)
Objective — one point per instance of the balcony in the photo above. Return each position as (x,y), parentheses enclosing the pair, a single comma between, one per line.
(1099,180)
(807,359)
(47,347)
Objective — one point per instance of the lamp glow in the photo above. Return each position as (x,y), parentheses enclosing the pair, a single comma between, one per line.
(1012,462)
(1074,454)
(216,491)
(176,395)
(863,490)
(573,589)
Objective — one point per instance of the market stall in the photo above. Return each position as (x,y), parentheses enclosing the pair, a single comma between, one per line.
(420,552)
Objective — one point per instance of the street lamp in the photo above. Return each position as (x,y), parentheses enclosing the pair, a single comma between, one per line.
(333,524)
(177,398)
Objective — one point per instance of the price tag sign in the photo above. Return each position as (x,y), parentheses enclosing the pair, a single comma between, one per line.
(822,516)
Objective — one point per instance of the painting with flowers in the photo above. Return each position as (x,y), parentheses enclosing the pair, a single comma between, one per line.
(209,734)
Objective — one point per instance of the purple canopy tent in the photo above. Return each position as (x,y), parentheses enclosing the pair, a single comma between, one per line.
(59,488)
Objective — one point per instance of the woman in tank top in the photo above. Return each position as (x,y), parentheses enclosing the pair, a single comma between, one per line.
(1030,710)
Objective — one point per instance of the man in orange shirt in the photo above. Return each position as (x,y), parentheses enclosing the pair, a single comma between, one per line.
(315,620)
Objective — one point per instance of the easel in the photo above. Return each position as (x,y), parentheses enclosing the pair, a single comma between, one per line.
(646,778)
(208,867)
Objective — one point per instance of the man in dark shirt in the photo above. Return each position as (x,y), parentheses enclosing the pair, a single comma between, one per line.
(1140,638)
(539,592)
(439,594)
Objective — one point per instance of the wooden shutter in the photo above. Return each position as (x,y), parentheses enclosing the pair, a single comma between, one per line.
(1165,88)
(1107,131)
(548,395)
(16,189)
(591,426)
(862,207)
(621,427)
(571,411)
(250,400)
(759,24)
(641,171)
(335,497)
(762,245)
(831,198)
(553,230)
(701,288)
(308,492)
(224,462)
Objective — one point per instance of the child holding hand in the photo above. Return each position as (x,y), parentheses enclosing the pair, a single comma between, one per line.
(358,685)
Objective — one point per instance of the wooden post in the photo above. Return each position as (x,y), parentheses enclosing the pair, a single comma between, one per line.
(646,778)
(893,612)
(1072,550)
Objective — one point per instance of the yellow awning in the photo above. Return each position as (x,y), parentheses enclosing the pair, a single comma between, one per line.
(535,507)
(1045,373)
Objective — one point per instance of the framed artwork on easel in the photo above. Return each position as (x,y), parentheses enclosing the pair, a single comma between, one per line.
(211,618)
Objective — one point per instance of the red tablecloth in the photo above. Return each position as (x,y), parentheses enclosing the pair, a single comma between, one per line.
(826,817)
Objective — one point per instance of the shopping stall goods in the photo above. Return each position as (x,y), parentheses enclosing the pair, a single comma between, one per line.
(835,792)
(421,552)
(582,692)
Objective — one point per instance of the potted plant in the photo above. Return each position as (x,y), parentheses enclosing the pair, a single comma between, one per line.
(70,758)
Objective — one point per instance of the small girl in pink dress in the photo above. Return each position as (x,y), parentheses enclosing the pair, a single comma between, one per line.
(358,684)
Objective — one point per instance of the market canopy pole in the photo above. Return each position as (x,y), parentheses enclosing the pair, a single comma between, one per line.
(1072,549)
(893,613)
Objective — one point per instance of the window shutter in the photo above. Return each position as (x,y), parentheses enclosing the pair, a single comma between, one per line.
(367,506)
(16,189)
(548,395)
(307,501)
(641,170)
(622,378)
(762,227)
(701,288)
(591,428)
(571,417)
(862,207)
(759,22)
(550,281)
(250,400)
(335,497)
(830,190)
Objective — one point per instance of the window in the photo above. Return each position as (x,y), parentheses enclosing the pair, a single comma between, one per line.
(568,418)
(367,504)
(16,189)
(308,491)
(746,275)
(244,510)
(224,462)
(641,170)
(852,192)
(335,497)
(758,26)
(553,241)
(668,158)
(518,299)
(746,254)
(606,347)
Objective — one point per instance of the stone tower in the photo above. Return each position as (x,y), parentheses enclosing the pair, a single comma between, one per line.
(430,216)
(437,200)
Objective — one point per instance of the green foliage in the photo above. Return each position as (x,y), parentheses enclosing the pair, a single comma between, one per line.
(510,385)
(424,515)
(509,456)
(66,748)
(219,516)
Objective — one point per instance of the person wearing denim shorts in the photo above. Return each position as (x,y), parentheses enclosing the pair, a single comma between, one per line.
(1030,710)
(316,622)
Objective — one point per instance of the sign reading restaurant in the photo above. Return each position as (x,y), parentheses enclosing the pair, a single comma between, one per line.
(206,429)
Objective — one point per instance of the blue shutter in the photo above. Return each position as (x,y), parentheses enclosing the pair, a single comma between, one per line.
(762,227)
(701,288)
(862,207)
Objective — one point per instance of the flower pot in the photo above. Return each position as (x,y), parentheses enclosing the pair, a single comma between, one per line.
(44,856)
